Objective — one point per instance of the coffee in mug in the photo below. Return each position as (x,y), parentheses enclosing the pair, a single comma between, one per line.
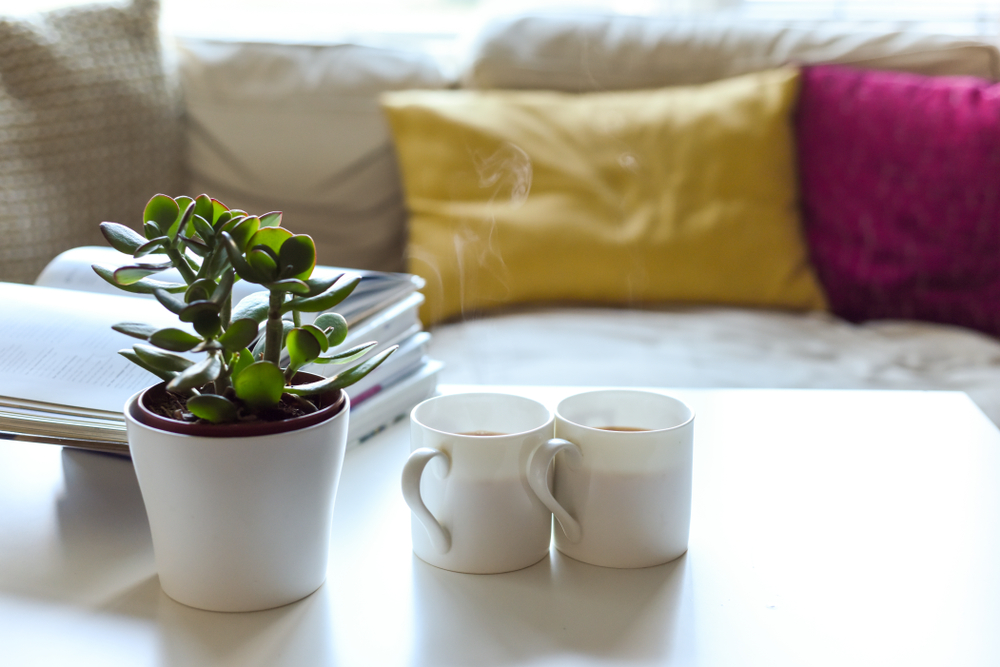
(466,482)
(622,428)
(621,495)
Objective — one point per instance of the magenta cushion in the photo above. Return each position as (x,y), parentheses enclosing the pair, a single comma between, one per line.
(900,179)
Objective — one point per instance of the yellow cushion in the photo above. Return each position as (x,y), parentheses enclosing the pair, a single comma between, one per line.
(683,194)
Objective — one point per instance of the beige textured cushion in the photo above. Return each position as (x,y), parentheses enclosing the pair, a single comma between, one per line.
(89,128)
(602,52)
(297,128)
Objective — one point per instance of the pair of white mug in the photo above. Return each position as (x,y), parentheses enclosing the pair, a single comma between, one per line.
(616,476)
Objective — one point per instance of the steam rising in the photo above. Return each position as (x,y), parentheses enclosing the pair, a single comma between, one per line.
(508,173)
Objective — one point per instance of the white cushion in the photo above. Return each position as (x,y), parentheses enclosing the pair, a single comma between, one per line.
(611,52)
(297,128)
(717,347)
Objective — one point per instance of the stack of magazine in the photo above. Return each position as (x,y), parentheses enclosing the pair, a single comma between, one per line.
(63,382)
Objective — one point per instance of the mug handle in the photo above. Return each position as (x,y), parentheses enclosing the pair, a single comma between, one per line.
(538,478)
(412,472)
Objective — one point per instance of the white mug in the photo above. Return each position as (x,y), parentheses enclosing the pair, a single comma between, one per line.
(473,509)
(621,494)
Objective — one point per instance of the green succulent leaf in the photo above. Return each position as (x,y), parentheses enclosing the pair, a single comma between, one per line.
(200,290)
(175,340)
(160,360)
(241,360)
(341,380)
(239,335)
(135,329)
(272,237)
(203,208)
(128,275)
(243,231)
(224,288)
(172,303)
(187,221)
(162,211)
(253,306)
(239,262)
(220,214)
(297,257)
(302,348)
(182,203)
(180,224)
(151,230)
(292,285)
(212,408)
(162,266)
(204,316)
(335,327)
(210,345)
(222,221)
(262,262)
(231,222)
(320,285)
(144,286)
(205,371)
(263,248)
(196,246)
(260,384)
(326,300)
(122,238)
(134,358)
(217,263)
(348,355)
(208,324)
(155,244)
(272,219)
(203,228)
(324,342)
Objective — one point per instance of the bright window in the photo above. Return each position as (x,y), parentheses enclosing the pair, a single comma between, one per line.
(305,20)
(970,17)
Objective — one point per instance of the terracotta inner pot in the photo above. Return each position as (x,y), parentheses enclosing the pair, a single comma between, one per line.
(329,404)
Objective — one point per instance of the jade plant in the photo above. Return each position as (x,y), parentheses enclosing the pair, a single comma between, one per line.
(211,247)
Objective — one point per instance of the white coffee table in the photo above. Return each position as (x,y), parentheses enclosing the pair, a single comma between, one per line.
(829,528)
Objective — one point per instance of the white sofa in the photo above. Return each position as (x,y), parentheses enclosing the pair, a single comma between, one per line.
(298,127)
(706,346)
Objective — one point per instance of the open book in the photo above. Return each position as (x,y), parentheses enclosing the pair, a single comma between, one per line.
(62,380)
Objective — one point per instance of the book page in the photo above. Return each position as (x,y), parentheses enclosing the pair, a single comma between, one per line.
(57,346)
(72,270)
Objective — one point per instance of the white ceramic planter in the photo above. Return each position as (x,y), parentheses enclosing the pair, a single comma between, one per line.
(239,523)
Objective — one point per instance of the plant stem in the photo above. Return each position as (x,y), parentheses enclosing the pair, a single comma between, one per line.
(180,261)
(272,345)
(226,312)
(224,381)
